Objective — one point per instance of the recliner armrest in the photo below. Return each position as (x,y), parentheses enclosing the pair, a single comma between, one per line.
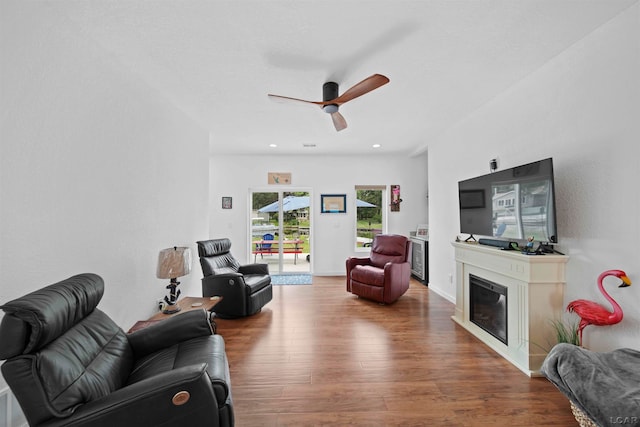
(391,268)
(353,261)
(254,269)
(147,403)
(175,329)
(227,280)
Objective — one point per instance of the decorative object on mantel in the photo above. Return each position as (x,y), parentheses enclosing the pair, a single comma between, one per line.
(592,313)
(395,198)
(422,231)
(173,263)
(279,178)
(227,203)
(528,249)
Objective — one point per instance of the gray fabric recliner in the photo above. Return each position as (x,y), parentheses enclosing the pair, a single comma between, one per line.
(604,386)
(69,364)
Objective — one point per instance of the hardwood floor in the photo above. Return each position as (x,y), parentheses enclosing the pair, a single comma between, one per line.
(317,355)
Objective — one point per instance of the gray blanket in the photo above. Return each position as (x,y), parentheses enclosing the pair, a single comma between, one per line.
(605,386)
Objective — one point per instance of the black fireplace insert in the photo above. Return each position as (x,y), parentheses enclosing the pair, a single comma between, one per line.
(488,306)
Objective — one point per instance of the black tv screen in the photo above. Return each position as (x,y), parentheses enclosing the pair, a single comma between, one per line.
(511,204)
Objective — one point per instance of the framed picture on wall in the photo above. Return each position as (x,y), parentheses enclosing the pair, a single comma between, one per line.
(333,203)
(279,178)
(227,203)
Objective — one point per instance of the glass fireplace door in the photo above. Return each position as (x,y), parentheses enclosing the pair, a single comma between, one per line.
(488,306)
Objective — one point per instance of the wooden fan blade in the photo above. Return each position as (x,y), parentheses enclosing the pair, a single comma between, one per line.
(279,98)
(338,121)
(359,89)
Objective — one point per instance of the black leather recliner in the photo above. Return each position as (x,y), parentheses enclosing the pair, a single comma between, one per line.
(245,288)
(69,364)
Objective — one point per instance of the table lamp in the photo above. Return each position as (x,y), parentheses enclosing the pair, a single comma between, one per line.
(173,263)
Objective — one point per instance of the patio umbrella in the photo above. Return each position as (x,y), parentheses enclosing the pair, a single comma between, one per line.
(363,204)
(291,203)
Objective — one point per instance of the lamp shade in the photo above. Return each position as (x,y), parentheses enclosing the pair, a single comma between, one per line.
(174,262)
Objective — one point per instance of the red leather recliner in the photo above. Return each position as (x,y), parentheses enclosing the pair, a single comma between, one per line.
(384,276)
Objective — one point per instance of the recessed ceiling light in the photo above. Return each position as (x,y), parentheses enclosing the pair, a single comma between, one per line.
(273,145)
(309,145)
(376,145)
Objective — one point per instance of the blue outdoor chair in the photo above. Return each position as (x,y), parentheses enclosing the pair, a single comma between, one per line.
(261,248)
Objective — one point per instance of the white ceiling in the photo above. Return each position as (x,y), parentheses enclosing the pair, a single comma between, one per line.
(217,60)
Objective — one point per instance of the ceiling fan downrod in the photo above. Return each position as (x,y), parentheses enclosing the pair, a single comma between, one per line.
(329,92)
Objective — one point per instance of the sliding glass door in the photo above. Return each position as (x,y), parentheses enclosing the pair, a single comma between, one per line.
(281,230)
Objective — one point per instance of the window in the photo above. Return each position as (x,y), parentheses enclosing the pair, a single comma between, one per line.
(370,214)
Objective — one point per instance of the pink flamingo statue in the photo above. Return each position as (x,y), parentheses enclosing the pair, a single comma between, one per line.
(592,313)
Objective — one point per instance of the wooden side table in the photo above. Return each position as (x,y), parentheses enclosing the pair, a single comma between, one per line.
(185,304)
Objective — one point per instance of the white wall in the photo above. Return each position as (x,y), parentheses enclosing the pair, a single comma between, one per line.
(97,172)
(332,234)
(582,109)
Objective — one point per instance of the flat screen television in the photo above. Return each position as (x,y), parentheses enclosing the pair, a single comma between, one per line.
(511,204)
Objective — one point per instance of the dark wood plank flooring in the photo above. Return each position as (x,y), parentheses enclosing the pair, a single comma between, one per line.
(317,355)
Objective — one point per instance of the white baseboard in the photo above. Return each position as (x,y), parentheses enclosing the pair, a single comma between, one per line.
(448,297)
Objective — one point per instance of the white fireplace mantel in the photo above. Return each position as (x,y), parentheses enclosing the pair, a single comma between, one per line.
(535,285)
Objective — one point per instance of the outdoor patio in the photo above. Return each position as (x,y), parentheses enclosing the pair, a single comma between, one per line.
(289,263)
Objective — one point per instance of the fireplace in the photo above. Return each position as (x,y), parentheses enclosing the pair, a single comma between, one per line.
(530,288)
(488,306)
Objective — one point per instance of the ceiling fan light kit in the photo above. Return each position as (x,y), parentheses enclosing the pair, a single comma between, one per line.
(330,109)
(331,100)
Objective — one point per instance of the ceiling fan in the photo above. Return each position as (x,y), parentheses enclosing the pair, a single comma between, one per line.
(331,102)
